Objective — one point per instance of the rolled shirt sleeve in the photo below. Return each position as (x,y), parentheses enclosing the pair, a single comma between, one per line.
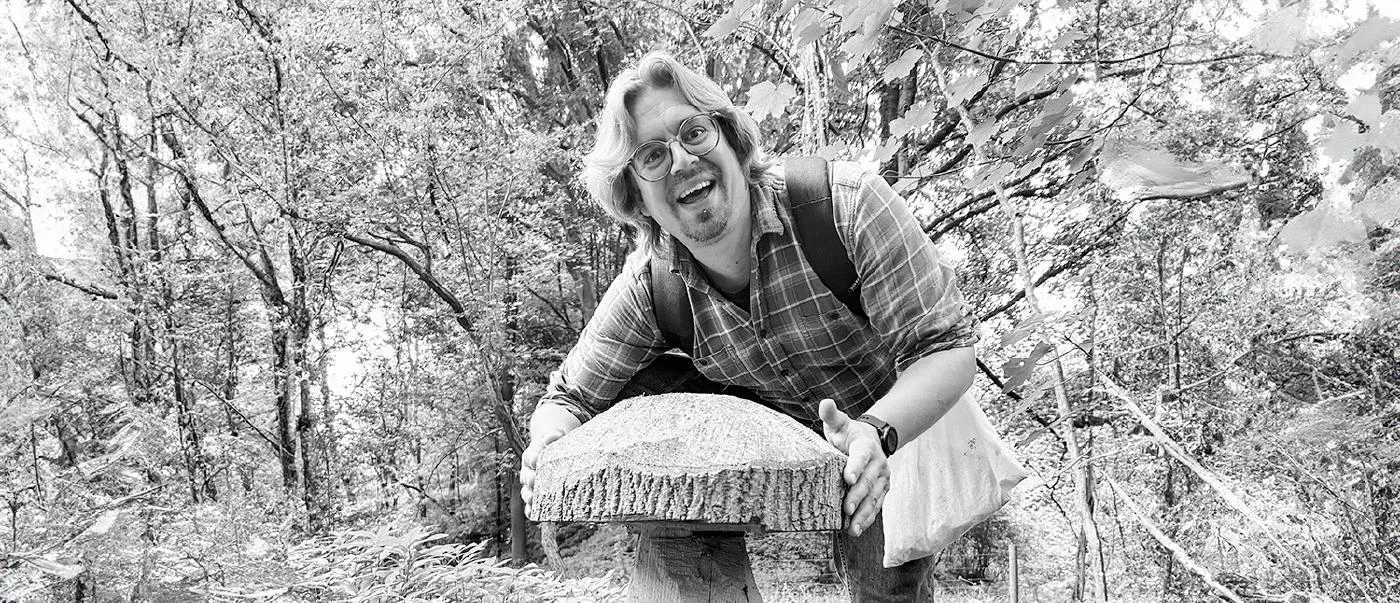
(620,339)
(908,290)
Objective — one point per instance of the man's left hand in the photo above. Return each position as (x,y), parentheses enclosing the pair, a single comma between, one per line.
(867,471)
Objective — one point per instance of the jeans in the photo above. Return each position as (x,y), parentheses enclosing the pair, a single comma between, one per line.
(860,560)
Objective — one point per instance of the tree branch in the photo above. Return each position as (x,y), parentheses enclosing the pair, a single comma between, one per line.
(459,311)
(92,290)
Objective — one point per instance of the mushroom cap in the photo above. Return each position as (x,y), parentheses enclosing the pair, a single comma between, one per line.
(693,458)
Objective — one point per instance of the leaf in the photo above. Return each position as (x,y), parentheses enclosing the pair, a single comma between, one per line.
(999,9)
(1342,144)
(1138,171)
(1069,37)
(990,175)
(809,26)
(1382,204)
(887,150)
(858,46)
(857,14)
(903,65)
(103,524)
(1032,78)
(1366,107)
(1018,370)
(964,87)
(834,151)
(1367,37)
(1022,331)
(726,25)
(767,98)
(1321,227)
(1083,157)
(918,116)
(981,133)
(49,566)
(1284,31)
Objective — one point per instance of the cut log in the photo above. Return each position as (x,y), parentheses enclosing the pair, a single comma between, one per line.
(692,458)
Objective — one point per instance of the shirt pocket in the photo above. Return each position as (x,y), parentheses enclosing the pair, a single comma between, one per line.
(724,362)
(831,336)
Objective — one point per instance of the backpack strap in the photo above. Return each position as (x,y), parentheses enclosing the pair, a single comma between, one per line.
(671,304)
(809,195)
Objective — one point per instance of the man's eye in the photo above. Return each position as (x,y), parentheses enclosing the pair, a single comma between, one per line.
(652,156)
(695,134)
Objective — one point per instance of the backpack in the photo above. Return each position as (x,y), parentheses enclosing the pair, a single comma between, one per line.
(809,198)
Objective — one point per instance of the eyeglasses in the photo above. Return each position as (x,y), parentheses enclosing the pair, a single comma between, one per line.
(698,135)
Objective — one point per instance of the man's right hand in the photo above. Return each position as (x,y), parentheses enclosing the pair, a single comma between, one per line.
(550,422)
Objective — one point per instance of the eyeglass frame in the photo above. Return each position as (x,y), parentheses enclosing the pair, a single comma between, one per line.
(714,116)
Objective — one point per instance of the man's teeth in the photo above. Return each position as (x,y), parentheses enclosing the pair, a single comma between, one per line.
(694,189)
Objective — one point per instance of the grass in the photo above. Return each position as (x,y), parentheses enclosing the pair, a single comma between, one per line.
(789,568)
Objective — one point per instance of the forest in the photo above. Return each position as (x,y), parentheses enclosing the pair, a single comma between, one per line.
(281,283)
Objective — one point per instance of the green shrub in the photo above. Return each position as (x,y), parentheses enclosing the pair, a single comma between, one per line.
(415,564)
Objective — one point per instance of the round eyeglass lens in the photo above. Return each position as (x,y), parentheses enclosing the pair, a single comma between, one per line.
(698,135)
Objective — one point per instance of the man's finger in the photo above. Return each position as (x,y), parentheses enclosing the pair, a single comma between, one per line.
(832,418)
(864,485)
(856,465)
(870,507)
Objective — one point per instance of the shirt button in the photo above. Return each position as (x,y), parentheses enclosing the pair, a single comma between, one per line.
(703,362)
(763,332)
(785,373)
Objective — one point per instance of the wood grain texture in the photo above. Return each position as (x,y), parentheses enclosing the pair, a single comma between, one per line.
(694,458)
(703,567)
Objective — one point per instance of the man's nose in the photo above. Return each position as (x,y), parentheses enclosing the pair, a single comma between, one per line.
(681,158)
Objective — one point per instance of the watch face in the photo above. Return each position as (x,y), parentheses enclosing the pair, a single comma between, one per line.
(888,440)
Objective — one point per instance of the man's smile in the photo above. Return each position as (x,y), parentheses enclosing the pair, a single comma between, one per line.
(696,191)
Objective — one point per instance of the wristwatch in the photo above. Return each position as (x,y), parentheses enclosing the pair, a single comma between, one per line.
(889,438)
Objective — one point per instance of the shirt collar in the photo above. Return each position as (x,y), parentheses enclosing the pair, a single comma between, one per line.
(764,208)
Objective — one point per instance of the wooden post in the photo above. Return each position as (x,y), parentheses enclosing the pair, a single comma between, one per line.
(685,566)
(1013,575)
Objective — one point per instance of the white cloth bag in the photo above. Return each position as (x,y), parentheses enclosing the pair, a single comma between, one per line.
(949,479)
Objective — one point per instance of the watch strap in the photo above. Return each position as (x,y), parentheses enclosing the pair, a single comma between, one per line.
(889,438)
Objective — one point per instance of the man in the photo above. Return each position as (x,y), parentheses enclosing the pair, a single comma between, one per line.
(676,160)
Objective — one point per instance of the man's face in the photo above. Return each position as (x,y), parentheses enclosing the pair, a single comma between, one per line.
(702,200)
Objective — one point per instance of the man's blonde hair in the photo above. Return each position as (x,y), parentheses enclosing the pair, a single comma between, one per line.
(604,166)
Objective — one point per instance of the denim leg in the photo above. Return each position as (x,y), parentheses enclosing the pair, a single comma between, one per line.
(860,560)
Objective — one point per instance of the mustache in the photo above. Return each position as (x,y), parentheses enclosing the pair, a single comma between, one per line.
(686,176)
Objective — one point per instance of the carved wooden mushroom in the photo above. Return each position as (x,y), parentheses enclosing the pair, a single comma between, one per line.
(691,473)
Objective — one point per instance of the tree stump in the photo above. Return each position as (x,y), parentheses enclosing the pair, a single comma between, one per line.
(691,473)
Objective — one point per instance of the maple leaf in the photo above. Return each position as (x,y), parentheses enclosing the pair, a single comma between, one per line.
(1018,370)
(917,116)
(981,133)
(859,45)
(1365,38)
(887,150)
(964,87)
(1381,204)
(767,98)
(903,65)
(1284,31)
(1321,227)
(726,25)
(1140,171)
(1033,77)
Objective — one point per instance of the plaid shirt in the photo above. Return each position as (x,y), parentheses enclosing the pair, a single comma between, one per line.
(800,344)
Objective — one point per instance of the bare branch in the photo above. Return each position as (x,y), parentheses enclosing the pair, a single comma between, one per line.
(92,290)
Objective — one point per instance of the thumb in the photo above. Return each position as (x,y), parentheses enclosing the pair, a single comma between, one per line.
(832,418)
